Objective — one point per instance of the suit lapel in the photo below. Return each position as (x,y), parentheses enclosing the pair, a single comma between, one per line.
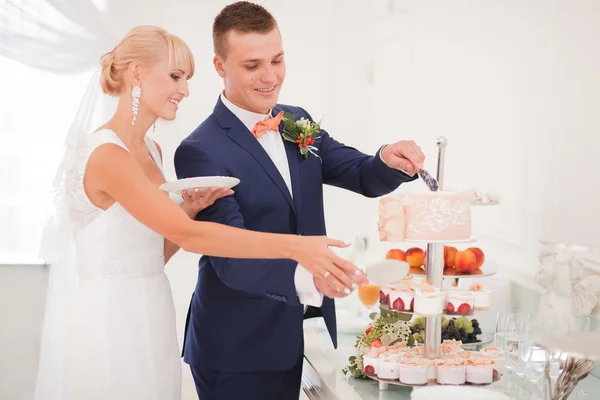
(291,150)
(240,134)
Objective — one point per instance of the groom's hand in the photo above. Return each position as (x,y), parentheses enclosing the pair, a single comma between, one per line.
(404,155)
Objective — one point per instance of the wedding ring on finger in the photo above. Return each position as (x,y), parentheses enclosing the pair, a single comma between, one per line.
(326,274)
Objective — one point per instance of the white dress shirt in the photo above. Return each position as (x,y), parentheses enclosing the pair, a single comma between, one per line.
(272,142)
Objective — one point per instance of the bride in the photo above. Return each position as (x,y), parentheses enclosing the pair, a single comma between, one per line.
(109,329)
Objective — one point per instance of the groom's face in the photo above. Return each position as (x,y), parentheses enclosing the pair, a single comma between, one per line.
(253,69)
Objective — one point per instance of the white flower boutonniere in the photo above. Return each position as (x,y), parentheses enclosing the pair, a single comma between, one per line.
(302,132)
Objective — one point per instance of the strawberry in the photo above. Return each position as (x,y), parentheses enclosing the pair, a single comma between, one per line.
(376,343)
(450,308)
(370,370)
(383,299)
(369,329)
(398,304)
(464,309)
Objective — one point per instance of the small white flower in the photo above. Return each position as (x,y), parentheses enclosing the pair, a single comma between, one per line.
(303,123)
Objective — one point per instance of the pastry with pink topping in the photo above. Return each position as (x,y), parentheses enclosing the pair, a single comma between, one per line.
(460,303)
(415,371)
(384,294)
(455,344)
(483,296)
(429,300)
(494,353)
(388,366)
(370,361)
(480,371)
(451,372)
(402,299)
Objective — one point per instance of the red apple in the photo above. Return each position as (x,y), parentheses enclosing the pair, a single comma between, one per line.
(479,256)
(414,256)
(396,254)
(465,261)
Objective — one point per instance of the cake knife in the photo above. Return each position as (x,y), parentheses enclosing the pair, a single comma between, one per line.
(429,180)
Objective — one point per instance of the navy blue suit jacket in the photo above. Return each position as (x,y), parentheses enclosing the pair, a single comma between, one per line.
(245,315)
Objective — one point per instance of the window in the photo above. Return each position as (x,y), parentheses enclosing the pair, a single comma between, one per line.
(36,110)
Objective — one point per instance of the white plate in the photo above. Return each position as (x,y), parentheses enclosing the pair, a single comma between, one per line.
(472,240)
(386,272)
(201,182)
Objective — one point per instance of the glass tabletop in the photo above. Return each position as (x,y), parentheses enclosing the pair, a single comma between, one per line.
(325,363)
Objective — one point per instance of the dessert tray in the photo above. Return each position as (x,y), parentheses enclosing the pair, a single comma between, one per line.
(448,313)
(496,378)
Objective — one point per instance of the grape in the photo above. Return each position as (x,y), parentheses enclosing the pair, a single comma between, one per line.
(451,322)
(445,323)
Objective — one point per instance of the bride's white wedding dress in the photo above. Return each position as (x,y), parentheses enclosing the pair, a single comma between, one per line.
(121,340)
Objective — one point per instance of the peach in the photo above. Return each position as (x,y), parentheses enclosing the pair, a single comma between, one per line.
(449,256)
(414,257)
(465,261)
(396,254)
(479,256)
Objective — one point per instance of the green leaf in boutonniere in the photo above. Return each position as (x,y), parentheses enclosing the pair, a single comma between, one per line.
(303,132)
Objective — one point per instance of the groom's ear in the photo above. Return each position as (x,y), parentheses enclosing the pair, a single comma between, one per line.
(218,63)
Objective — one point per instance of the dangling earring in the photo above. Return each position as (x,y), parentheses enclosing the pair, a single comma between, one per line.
(135,94)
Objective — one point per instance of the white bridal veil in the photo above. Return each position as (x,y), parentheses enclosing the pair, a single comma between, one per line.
(62,36)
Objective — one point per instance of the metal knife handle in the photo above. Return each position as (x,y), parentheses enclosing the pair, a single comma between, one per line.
(441,143)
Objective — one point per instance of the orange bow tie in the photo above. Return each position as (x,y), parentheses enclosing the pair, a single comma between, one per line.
(270,124)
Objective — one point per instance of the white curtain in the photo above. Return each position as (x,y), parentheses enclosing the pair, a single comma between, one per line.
(48,49)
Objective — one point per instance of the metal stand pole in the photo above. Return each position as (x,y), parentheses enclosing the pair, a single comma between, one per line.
(435,269)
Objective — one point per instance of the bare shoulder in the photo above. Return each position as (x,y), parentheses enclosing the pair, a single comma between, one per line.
(109,159)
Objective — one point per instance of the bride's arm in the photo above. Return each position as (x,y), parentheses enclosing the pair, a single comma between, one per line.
(192,204)
(112,170)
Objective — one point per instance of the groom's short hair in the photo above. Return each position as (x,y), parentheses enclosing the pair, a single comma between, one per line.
(241,17)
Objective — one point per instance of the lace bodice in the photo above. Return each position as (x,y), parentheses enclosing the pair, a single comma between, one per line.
(82,211)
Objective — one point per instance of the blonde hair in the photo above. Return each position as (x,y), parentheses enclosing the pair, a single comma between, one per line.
(144,45)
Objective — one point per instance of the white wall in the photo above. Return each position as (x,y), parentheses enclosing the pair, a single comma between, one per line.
(511,84)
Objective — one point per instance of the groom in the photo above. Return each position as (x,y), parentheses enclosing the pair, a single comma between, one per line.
(244,337)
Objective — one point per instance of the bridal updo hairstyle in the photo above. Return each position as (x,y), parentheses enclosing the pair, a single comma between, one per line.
(144,45)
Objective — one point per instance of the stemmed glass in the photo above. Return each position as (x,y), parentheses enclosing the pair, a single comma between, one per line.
(516,334)
(369,296)
(534,357)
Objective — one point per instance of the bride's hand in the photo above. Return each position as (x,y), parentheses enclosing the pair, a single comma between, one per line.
(316,256)
(195,201)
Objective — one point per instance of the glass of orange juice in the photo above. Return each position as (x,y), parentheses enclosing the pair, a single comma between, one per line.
(368,294)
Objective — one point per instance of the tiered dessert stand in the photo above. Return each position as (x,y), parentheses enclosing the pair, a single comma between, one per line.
(435,274)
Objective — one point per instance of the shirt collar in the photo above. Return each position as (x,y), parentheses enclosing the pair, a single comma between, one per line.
(248,118)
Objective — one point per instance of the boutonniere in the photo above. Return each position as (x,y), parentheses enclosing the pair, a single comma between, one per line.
(303,132)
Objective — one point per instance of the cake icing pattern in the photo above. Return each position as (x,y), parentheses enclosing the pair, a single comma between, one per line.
(425,216)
